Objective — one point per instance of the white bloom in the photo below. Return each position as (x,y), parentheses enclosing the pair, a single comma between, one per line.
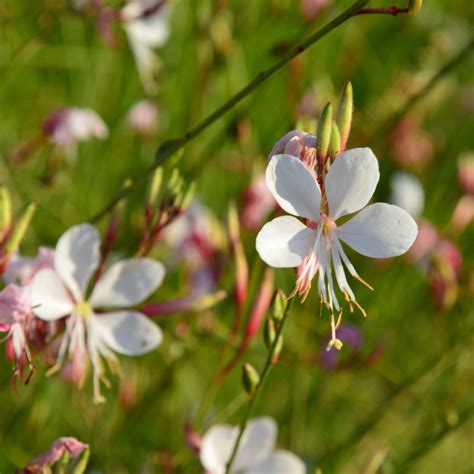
(146,25)
(62,291)
(256,454)
(378,231)
(407,193)
(70,125)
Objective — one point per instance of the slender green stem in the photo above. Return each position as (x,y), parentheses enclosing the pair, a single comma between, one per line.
(263,375)
(168,148)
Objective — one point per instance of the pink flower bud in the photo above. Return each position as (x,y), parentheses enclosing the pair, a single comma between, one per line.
(143,118)
(466,173)
(463,213)
(68,445)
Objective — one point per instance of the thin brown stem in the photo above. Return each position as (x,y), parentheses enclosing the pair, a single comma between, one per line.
(394,11)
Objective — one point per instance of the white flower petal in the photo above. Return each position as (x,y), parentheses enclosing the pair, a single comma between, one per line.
(380,231)
(127,332)
(49,298)
(258,441)
(279,462)
(256,445)
(407,193)
(77,257)
(293,186)
(351,181)
(284,242)
(216,447)
(127,283)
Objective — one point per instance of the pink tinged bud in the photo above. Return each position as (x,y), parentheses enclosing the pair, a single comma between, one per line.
(466,172)
(260,306)
(282,142)
(241,267)
(463,214)
(67,445)
(193,440)
(143,118)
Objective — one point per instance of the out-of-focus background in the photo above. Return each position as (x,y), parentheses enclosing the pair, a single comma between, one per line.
(398,397)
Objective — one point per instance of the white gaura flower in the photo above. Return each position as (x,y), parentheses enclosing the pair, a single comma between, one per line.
(256,454)
(90,335)
(407,193)
(378,231)
(146,25)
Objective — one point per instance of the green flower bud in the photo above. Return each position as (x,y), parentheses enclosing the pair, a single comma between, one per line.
(250,379)
(81,463)
(344,114)
(278,348)
(324,132)
(335,143)
(269,333)
(279,306)
(5,209)
(155,185)
(414,6)
(20,229)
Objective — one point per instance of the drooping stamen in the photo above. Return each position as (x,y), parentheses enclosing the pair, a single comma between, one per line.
(348,263)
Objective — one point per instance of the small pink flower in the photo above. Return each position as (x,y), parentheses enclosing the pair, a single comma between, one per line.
(69,445)
(297,143)
(21,269)
(312,8)
(16,318)
(143,118)
(68,126)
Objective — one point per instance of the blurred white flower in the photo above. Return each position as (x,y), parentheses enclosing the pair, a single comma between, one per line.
(146,24)
(60,292)
(407,193)
(143,118)
(68,126)
(21,270)
(379,231)
(256,454)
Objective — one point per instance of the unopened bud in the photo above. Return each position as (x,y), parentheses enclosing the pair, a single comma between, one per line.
(5,209)
(155,185)
(233,223)
(278,348)
(20,229)
(335,143)
(250,379)
(414,6)
(279,306)
(344,114)
(324,132)
(188,196)
(269,333)
(81,463)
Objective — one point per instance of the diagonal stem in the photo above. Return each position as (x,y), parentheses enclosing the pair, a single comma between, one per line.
(170,147)
(263,374)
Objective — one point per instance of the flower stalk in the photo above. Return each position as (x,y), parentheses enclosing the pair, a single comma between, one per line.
(170,147)
(261,380)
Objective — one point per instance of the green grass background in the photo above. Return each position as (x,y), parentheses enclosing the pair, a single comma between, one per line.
(410,406)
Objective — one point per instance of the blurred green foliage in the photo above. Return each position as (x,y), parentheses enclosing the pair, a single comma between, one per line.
(400,414)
